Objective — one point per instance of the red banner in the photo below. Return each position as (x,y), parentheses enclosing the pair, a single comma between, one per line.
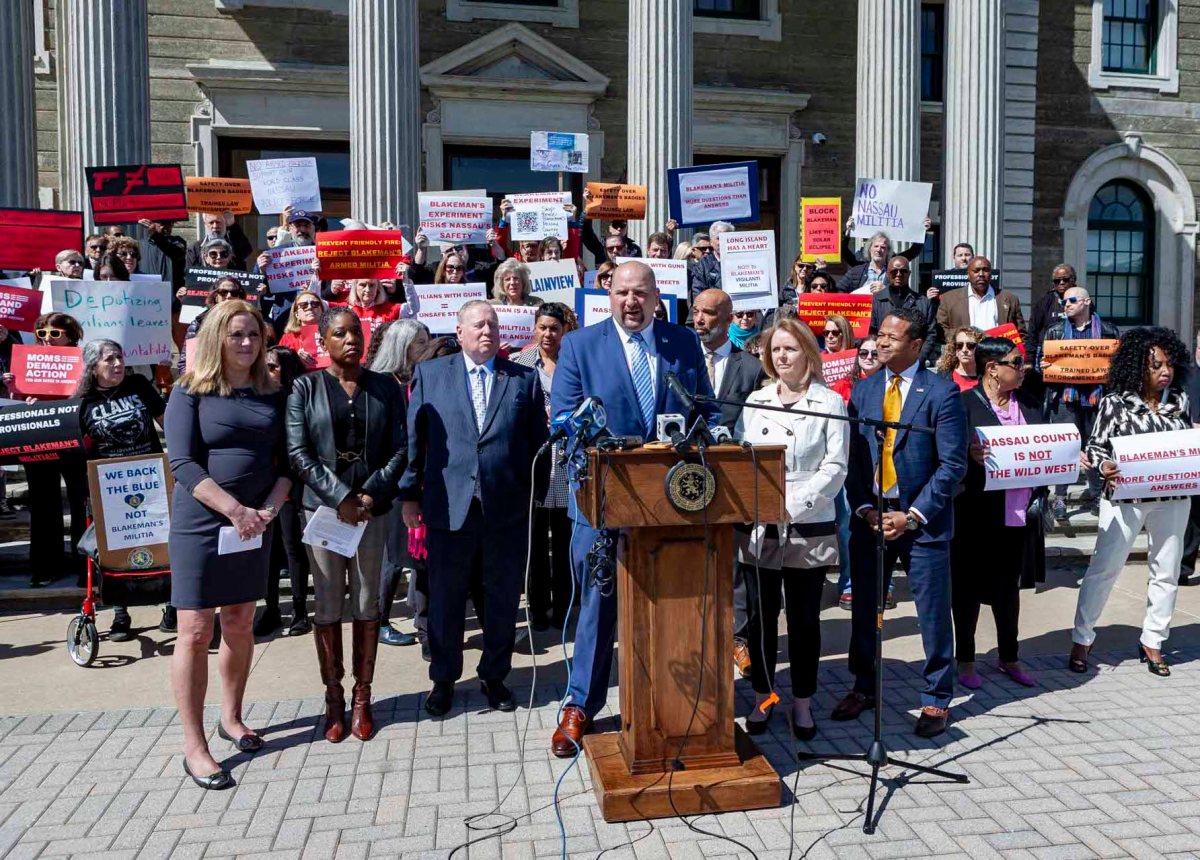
(31,238)
(41,371)
(311,343)
(345,254)
(125,194)
(1009,331)
(19,307)
(813,309)
(836,366)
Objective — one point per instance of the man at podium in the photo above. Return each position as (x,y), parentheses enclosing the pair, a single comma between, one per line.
(623,362)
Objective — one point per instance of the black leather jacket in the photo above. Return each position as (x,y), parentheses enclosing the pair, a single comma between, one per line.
(312,451)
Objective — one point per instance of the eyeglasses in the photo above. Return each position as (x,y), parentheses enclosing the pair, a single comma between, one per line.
(127,254)
(49,333)
(1072,300)
(804,265)
(868,353)
(1063,280)
(969,346)
(227,293)
(219,255)
(607,276)
(306,306)
(1016,363)
(96,247)
(747,314)
(455,268)
(832,332)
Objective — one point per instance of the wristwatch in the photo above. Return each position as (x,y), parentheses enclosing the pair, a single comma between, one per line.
(911,523)
(271,509)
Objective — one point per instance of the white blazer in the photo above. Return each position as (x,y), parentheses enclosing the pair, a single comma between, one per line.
(817,448)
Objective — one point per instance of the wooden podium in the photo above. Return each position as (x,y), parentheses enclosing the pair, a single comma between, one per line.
(675,608)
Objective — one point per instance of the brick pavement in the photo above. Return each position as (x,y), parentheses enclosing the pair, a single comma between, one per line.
(1097,766)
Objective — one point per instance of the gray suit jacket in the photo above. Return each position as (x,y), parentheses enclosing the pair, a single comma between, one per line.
(743,375)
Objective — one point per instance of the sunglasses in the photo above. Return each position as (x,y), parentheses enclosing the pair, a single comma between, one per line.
(1016,363)
(897,273)
(127,255)
(1063,280)
(96,247)
(224,292)
(49,333)
(607,276)
(73,262)
(832,332)
(455,268)
(969,346)
(804,265)
(747,314)
(304,306)
(1072,300)
(219,255)
(868,353)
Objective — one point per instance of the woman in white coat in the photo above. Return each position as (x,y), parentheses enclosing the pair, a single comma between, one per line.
(792,557)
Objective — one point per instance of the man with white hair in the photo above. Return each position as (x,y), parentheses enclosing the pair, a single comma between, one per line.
(220,226)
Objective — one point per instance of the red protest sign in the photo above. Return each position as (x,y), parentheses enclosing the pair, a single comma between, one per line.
(345,254)
(41,371)
(821,223)
(125,194)
(813,308)
(310,342)
(836,366)
(1009,331)
(19,307)
(31,238)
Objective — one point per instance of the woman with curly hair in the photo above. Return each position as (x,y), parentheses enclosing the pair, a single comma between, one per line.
(1145,394)
(958,357)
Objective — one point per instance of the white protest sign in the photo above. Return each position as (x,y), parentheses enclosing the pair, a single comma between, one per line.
(670,276)
(748,272)
(895,207)
(710,195)
(556,151)
(437,304)
(134,496)
(538,221)
(136,315)
(22,283)
(1157,464)
(291,268)
(1032,455)
(536,198)
(554,281)
(455,218)
(516,324)
(281,182)
(594,309)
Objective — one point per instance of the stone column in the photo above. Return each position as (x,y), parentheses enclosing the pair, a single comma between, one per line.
(18,166)
(660,102)
(973,177)
(385,101)
(888,142)
(106,63)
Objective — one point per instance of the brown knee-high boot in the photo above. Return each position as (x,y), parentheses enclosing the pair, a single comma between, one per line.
(329,655)
(366,643)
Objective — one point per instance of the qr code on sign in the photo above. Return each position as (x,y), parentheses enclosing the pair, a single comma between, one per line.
(575,158)
(527,222)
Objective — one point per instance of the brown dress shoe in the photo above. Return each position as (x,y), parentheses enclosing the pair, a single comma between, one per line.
(932,722)
(741,657)
(854,704)
(568,737)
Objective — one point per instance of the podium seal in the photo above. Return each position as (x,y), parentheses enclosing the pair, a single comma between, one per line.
(690,487)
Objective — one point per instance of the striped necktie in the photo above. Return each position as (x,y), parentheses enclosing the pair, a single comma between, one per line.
(642,383)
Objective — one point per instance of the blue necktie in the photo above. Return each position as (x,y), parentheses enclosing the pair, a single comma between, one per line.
(642,383)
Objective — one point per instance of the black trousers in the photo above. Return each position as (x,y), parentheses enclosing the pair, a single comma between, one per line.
(1003,588)
(803,590)
(287,551)
(550,565)
(45,515)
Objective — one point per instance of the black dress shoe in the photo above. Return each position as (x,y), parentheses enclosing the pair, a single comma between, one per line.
(246,743)
(300,626)
(854,704)
(499,697)
(218,781)
(932,722)
(804,733)
(440,699)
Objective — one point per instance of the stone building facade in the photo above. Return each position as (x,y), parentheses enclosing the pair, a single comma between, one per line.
(1052,131)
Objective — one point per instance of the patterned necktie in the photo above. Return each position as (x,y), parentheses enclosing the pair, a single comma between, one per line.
(892,403)
(710,359)
(479,396)
(642,383)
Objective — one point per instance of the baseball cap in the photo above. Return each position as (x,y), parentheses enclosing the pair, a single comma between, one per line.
(301,215)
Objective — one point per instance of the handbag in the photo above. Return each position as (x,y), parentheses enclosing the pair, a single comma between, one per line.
(1040,510)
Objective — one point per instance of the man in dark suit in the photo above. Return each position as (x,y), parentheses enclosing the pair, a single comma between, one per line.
(901,294)
(475,424)
(978,304)
(920,473)
(733,374)
(624,362)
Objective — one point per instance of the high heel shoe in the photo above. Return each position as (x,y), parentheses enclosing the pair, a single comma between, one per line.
(246,743)
(218,781)
(757,727)
(803,733)
(1077,665)
(1159,667)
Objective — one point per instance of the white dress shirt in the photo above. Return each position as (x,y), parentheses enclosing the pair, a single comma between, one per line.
(984,311)
(627,345)
(720,363)
(488,380)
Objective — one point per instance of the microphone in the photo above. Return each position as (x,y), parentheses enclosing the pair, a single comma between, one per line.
(679,391)
(670,428)
(587,420)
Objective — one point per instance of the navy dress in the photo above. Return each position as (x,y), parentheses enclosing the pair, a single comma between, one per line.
(238,441)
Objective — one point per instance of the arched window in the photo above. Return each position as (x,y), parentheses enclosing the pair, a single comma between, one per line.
(1120,243)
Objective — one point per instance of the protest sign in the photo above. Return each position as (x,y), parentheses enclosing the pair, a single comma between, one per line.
(46,371)
(558,152)
(593,306)
(1077,362)
(821,228)
(192,303)
(589,281)
(277,183)
(31,238)
(125,194)
(345,254)
(437,304)
(717,192)
(1030,455)
(1009,331)
(897,208)
(536,222)
(37,432)
(217,194)
(748,271)
(670,276)
(612,200)
(19,307)
(554,281)
(291,268)
(136,315)
(952,279)
(516,324)
(836,366)
(311,342)
(814,308)
(1157,464)
(201,276)
(536,198)
(454,217)
(131,507)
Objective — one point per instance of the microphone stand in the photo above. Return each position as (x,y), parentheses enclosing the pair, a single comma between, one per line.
(877,754)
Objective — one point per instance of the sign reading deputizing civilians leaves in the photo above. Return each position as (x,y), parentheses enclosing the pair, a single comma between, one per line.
(558,152)
(813,309)
(127,193)
(454,217)
(895,207)
(135,314)
(1078,362)
(32,238)
(1030,455)
(38,432)
(718,192)
(612,200)
(748,270)
(359,253)
(1152,465)
(821,228)
(281,182)
(217,194)
(836,366)
(46,371)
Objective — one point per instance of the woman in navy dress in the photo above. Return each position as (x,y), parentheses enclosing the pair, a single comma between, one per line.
(225,440)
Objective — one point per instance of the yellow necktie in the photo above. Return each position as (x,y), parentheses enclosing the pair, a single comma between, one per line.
(711,361)
(891,412)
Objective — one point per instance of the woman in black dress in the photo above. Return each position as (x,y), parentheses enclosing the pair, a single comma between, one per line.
(226,445)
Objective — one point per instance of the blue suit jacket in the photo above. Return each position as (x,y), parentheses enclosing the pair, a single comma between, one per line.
(447,454)
(928,468)
(592,364)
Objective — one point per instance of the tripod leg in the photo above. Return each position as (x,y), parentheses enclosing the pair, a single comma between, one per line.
(932,771)
(869,823)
